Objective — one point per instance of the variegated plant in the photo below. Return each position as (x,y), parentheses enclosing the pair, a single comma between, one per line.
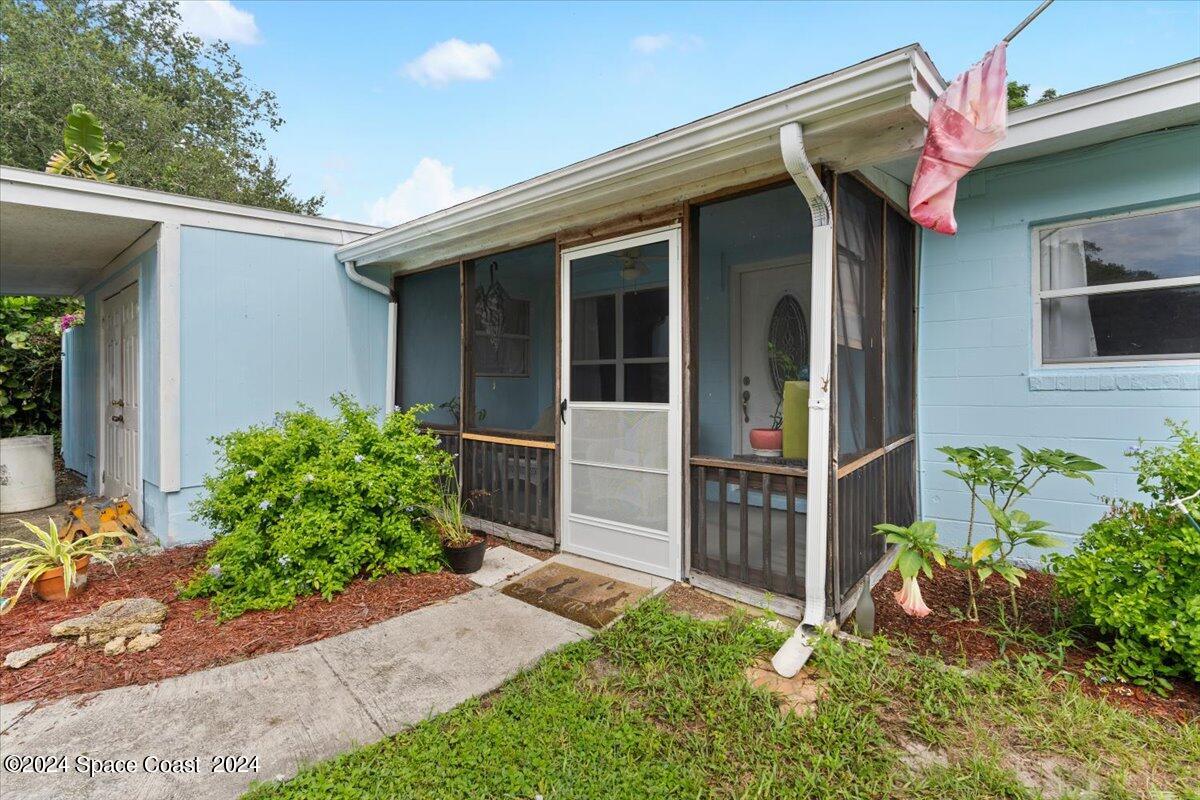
(33,559)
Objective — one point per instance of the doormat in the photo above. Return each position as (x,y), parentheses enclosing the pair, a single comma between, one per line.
(581,596)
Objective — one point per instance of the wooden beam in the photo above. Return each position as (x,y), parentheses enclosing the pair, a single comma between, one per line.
(483,437)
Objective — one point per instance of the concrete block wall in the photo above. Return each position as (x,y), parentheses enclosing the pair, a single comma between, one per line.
(978,381)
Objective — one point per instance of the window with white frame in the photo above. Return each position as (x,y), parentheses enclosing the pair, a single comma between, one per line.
(1119,288)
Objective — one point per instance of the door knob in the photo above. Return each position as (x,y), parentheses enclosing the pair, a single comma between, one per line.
(117,417)
(562,411)
(118,403)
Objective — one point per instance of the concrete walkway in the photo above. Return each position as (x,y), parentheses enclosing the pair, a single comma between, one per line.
(287,709)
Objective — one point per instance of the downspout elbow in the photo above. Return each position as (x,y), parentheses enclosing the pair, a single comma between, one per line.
(389,399)
(788,660)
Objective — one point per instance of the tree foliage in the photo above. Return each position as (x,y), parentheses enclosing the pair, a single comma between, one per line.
(1018,95)
(191,121)
(30,363)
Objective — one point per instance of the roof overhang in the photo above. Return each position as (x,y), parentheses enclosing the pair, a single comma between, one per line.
(871,112)
(58,233)
(1152,101)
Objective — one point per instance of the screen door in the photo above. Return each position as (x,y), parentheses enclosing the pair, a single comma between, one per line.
(621,408)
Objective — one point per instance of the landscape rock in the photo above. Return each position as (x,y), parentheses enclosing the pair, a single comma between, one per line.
(114,618)
(143,641)
(115,647)
(19,658)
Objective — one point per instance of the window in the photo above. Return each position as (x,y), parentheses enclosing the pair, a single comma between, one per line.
(511,321)
(858,317)
(620,327)
(752,280)
(429,345)
(1122,288)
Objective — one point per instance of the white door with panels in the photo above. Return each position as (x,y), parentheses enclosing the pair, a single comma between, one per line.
(121,475)
(622,390)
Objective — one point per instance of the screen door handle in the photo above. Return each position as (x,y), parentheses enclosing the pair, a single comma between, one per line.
(562,411)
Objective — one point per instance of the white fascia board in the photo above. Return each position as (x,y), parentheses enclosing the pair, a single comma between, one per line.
(739,138)
(40,189)
(1164,98)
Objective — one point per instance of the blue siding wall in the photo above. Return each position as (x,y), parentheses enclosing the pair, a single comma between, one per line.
(265,324)
(978,382)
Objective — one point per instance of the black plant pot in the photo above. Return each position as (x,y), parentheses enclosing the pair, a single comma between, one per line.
(465,560)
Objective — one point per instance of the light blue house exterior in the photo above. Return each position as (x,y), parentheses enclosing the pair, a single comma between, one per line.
(237,314)
(980,379)
(244,313)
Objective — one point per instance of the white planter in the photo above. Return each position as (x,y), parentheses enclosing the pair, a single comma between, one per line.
(26,473)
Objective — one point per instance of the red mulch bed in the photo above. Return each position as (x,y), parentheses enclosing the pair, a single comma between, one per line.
(946,634)
(192,640)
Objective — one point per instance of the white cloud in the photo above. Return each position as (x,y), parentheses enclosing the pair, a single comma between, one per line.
(649,43)
(454,60)
(430,188)
(219,19)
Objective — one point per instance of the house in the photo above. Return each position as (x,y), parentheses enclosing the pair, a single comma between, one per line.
(606,347)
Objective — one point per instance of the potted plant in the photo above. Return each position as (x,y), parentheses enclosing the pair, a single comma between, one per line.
(463,547)
(769,441)
(52,565)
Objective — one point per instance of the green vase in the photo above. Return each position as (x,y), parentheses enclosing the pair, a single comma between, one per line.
(795,419)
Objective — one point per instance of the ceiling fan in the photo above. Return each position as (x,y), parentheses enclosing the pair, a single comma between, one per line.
(633,263)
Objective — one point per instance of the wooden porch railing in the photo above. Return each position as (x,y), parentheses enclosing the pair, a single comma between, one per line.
(874,489)
(748,523)
(510,481)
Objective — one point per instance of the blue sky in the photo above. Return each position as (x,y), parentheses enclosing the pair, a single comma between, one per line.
(396,109)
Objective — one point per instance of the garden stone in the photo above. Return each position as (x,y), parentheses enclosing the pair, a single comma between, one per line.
(114,618)
(143,641)
(19,658)
(115,646)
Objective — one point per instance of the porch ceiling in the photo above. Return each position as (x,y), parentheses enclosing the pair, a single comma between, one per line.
(51,251)
(871,112)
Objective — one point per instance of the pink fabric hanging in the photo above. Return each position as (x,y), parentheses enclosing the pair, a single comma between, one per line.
(966,122)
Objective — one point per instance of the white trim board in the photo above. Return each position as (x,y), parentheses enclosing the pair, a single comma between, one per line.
(39,189)
(871,111)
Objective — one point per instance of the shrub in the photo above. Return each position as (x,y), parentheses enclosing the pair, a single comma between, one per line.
(309,503)
(31,363)
(1136,573)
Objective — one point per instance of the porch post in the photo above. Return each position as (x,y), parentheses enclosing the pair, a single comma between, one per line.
(788,660)
(169,477)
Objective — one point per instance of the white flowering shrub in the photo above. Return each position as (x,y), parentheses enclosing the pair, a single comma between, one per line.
(309,503)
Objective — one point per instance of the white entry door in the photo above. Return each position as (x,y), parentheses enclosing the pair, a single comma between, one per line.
(622,463)
(121,474)
(756,298)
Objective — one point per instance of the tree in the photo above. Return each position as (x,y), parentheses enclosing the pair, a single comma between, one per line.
(1018,95)
(191,121)
(30,367)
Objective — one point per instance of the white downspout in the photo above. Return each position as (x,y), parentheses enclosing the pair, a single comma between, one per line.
(791,657)
(389,398)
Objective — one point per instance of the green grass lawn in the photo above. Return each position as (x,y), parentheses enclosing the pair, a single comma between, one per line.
(657,707)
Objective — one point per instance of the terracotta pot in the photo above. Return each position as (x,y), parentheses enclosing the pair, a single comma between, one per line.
(468,559)
(766,439)
(49,585)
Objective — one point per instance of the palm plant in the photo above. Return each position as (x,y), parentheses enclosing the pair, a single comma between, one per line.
(45,553)
(446,516)
(86,152)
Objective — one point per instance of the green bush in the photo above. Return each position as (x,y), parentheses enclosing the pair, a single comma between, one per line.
(31,362)
(1136,573)
(309,503)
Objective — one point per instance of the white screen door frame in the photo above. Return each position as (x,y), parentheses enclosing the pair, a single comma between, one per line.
(648,549)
